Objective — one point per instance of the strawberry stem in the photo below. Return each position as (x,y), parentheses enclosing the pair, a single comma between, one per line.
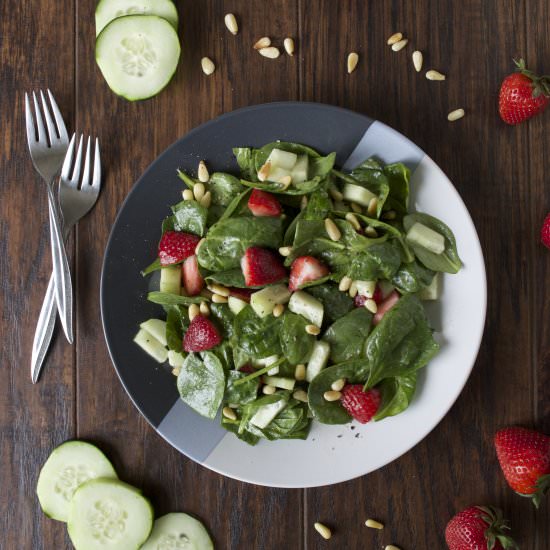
(541,84)
(496,526)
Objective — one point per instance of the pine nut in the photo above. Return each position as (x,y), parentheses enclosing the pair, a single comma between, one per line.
(353,59)
(313,329)
(187,195)
(373,524)
(176,371)
(353,290)
(206,200)
(278,310)
(269,390)
(352,218)
(217,299)
(434,75)
(193,311)
(332,395)
(271,52)
(228,412)
(371,306)
(335,194)
(285,250)
(199,190)
(371,232)
(198,245)
(373,206)
(207,66)
(323,530)
(392,547)
(202,172)
(289,46)
(263,42)
(418,59)
(219,289)
(345,283)
(204,309)
(455,115)
(300,395)
(398,46)
(264,171)
(332,230)
(303,202)
(389,215)
(231,23)
(356,208)
(394,38)
(338,385)
(300,372)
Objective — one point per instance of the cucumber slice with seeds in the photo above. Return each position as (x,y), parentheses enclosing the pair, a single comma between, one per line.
(67,467)
(178,530)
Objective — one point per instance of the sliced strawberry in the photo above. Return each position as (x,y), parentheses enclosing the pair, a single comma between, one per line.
(361,405)
(241,293)
(305,269)
(262,267)
(247,369)
(201,335)
(359,300)
(262,203)
(192,278)
(377,295)
(385,306)
(176,246)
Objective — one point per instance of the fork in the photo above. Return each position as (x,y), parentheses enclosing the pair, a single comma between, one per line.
(48,146)
(77,195)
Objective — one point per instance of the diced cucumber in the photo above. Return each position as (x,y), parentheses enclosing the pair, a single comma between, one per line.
(170,279)
(178,530)
(67,467)
(318,360)
(277,173)
(357,194)
(266,361)
(107,513)
(433,290)
(421,235)
(263,301)
(175,359)
(264,415)
(366,288)
(151,345)
(300,170)
(282,159)
(306,305)
(280,382)
(107,10)
(137,55)
(236,305)
(157,329)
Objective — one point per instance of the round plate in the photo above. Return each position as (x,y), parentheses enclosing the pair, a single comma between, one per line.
(331,454)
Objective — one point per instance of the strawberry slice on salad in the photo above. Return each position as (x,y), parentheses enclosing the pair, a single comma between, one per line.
(193,281)
(385,306)
(240,293)
(361,405)
(262,203)
(176,246)
(261,266)
(305,269)
(201,335)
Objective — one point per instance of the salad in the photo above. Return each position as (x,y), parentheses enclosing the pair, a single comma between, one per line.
(293,292)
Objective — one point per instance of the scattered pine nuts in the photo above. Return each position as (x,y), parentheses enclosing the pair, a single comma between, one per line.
(208,66)
(206,200)
(313,329)
(323,530)
(271,52)
(269,390)
(231,24)
(356,208)
(353,289)
(187,195)
(434,75)
(264,171)
(418,59)
(389,215)
(371,305)
(303,202)
(198,191)
(332,230)
(373,524)
(204,309)
(219,289)
(338,385)
(263,42)
(202,172)
(335,194)
(193,311)
(300,395)
(217,299)
(391,547)
(371,232)
(455,115)
(285,250)
(373,206)
(394,38)
(228,412)
(352,218)
(398,46)
(353,59)
(289,46)
(176,371)
(332,395)
(345,283)
(300,372)
(278,310)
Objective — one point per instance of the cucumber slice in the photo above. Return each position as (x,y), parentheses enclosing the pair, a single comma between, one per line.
(265,362)
(264,415)
(357,194)
(277,173)
(138,55)
(282,159)
(433,290)
(157,329)
(263,301)
(67,467)
(306,305)
(178,530)
(107,513)
(318,360)
(366,288)
(236,305)
(170,279)
(427,238)
(299,172)
(107,10)
(175,359)
(151,345)
(280,382)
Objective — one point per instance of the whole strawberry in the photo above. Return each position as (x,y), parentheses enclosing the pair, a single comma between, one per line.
(545,231)
(524,457)
(478,528)
(523,95)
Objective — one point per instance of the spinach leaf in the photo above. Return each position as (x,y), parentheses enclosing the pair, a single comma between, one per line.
(168,224)
(397,394)
(296,343)
(335,303)
(224,188)
(448,261)
(412,278)
(291,229)
(237,205)
(245,160)
(250,409)
(201,383)
(155,266)
(398,178)
(224,353)
(231,277)
(346,335)
(318,206)
(188,180)
(372,179)
(291,423)
(379,261)
(177,322)
(227,241)
(190,216)
(168,299)
(242,393)
(233,427)
(258,337)
(302,188)
(225,318)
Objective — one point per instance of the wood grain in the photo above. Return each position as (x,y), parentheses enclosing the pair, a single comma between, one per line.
(500,171)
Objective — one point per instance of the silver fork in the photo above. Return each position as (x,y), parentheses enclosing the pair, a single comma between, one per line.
(77,195)
(48,145)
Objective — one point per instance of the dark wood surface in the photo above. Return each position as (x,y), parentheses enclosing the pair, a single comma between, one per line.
(501,173)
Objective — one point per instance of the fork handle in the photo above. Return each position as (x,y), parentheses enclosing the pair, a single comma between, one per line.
(62,275)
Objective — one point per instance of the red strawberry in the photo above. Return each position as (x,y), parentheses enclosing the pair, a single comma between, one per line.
(175,246)
(261,267)
(359,300)
(362,405)
(545,231)
(262,203)
(305,269)
(524,457)
(523,95)
(201,335)
(192,278)
(385,306)
(478,528)
(377,296)
(247,369)
(241,293)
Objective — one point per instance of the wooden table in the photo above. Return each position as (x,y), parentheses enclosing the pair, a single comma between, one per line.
(500,171)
